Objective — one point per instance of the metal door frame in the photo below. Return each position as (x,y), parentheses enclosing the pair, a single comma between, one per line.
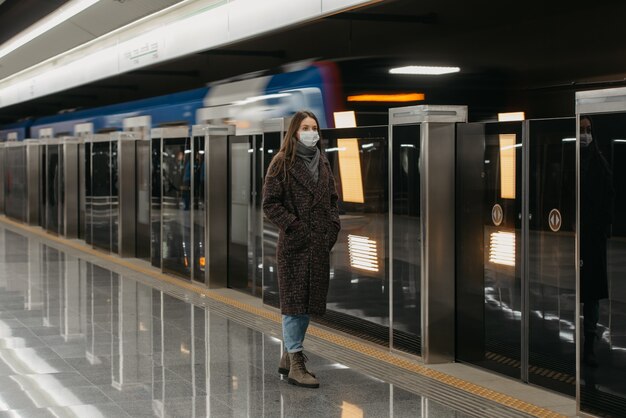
(127,204)
(525,218)
(437,123)
(71,193)
(140,126)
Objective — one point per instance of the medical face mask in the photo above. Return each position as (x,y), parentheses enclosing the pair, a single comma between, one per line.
(585,139)
(309,138)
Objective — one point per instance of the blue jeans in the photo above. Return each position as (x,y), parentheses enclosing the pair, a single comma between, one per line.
(294,328)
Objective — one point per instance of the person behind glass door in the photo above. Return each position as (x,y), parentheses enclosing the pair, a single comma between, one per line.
(300,198)
(596,194)
(186,183)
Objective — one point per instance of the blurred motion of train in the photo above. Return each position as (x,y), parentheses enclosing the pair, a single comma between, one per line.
(243,101)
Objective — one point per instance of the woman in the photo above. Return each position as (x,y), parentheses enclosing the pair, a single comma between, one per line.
(300,198)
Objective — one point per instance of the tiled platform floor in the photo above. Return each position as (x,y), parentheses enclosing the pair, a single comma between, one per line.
(80,340)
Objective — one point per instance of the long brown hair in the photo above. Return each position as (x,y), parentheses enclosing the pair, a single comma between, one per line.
(286,156)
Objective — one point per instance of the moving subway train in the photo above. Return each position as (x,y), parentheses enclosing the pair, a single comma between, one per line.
(243,101)
(458,240)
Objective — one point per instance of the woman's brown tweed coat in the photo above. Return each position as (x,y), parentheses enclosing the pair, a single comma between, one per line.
(308,220)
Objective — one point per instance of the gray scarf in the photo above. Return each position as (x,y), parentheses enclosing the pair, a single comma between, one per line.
(311,157)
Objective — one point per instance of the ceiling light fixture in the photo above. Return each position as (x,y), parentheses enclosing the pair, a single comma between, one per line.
(511,116)
(345,119)
(53,20)
(399,97)
(424,70)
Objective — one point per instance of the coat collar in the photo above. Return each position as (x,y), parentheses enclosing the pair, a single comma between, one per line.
(301,173)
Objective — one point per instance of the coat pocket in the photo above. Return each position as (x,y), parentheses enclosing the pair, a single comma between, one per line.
(296,238)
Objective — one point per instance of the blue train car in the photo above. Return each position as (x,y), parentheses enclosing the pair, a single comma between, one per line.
(16,131)
(178,107)
(243,102)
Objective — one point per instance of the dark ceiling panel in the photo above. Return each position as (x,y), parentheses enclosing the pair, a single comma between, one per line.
(510,57)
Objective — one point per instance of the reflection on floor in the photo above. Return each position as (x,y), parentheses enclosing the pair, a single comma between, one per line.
(552,348)
(79,340)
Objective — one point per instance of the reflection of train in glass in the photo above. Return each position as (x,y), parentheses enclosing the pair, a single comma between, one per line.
(243,101)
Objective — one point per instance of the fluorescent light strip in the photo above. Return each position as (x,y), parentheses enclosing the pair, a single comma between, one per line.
(511,116)
(350,170)
(507,165)
(502,248)
(54,19)
(424,70)
(569,139)
(363,253)
(400,97)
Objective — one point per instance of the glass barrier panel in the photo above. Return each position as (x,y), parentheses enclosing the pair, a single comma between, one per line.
(271,145)
(256,229)
(43,186)
(61,189)
(88,194)
(199,209)
(488,257)
(551,255)
(602,232)
(52,188)
(407,238)
(155,202)
(175,206)
(240,274)
(101,195)
(358,297)
(114,212)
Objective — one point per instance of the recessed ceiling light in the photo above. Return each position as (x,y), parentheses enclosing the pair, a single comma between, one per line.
(511,116)
(424,70)
(399,97)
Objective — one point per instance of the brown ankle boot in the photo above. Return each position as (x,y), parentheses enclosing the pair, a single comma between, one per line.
(283,366)
(298,374)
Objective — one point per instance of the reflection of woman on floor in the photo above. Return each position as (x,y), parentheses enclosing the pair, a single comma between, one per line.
(596,196)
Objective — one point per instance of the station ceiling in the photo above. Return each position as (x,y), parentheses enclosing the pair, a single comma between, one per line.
(91,22)
(17,15)
(531,55)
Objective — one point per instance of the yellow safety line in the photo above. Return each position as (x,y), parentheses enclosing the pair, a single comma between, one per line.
(347,343)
